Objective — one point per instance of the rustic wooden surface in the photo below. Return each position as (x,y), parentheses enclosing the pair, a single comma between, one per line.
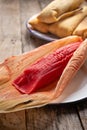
(15,39)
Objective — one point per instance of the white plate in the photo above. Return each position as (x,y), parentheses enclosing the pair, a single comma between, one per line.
(48,37)
(77,89)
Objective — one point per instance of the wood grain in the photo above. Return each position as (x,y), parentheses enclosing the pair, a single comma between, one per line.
(26,12)
(10,40)
(10,29)
(0,22)
(44,3)
(53,118)
(13,121)
(82,112)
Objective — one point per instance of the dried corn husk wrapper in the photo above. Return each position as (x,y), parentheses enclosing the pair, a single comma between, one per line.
(66,26)
(12,100)
(54,28)
(70,22)
(36,24)
(81,29)
(56,8)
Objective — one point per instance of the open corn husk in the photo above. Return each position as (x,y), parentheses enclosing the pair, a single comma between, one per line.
(12,100)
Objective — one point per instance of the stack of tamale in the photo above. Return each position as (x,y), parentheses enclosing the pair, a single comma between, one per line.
(62,18)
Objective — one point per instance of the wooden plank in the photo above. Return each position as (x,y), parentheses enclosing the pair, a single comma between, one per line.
(10,29)
(9,47)
(10,39)
(29,8)
(82,111)
(10,19)
(44,3)
(12,121)
(0,24)
(53,118)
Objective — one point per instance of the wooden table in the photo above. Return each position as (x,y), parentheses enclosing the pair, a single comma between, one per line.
(15,39)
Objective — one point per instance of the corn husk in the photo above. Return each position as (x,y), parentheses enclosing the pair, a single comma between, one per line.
(45,28)
(81,29)
(56,8)
(36,24)
(11,99)
(65,27)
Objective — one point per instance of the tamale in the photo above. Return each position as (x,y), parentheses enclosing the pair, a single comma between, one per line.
(36,24)
(11,99)
(43,27)
(81,29)
(56,8)
(65,27)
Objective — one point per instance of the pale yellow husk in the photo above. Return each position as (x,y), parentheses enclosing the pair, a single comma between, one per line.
(56,8)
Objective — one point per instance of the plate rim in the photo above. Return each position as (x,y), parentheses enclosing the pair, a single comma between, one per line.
(38,34)
(69,102)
